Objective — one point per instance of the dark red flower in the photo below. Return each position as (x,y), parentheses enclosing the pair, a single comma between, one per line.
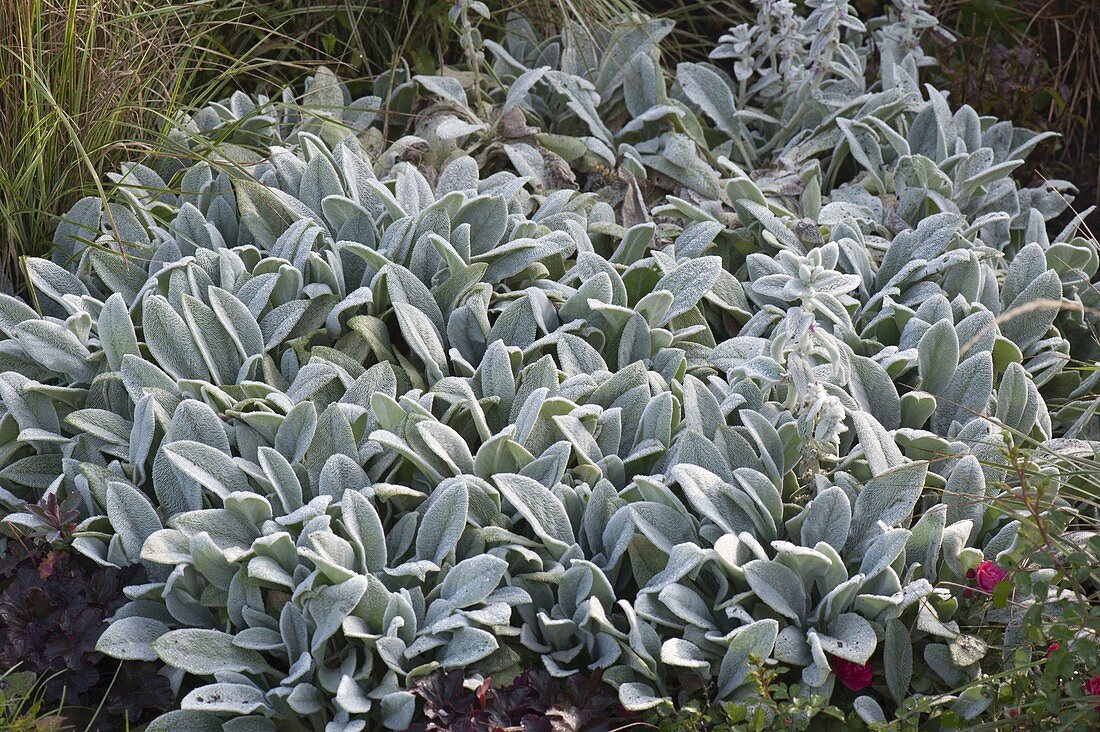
(854,676)
(988,575)
(1092,688)
(1053,647)
(1013,712)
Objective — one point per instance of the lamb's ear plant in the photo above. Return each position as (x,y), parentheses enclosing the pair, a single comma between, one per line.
(591,365)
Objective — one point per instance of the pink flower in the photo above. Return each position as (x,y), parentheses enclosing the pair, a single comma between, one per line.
(1092,688)
(1053,647)
(988,575)
(854,676)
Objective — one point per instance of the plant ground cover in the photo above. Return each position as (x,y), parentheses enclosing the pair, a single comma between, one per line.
(562,386)
(87,84)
